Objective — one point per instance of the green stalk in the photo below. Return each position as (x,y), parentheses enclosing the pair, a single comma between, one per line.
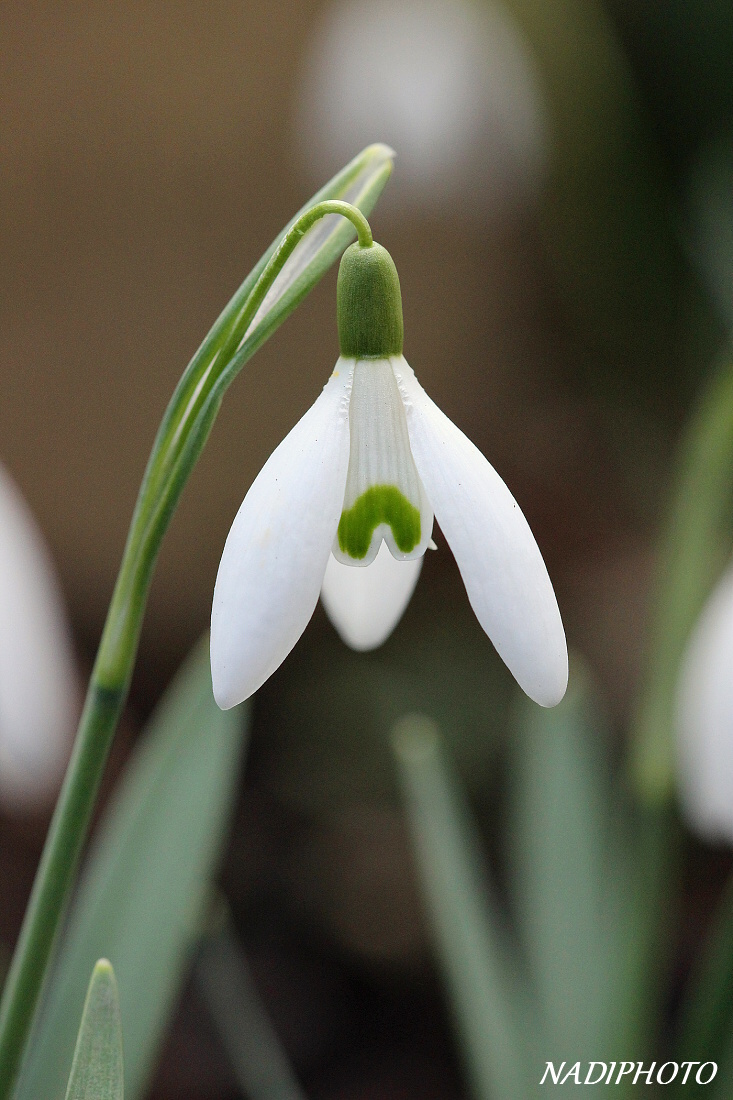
(181,437)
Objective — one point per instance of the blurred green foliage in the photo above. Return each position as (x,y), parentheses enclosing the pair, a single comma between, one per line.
(146,882)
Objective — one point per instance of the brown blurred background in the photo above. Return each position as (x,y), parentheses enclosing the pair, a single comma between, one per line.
(148,155)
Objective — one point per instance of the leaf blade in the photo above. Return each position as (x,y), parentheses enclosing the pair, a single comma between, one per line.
(485,988)
(559,829)
(146,880)
(360,183)
(96,1072)
(256,1056)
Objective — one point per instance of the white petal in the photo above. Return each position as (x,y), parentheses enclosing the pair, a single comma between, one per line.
(382,478)
(500,562)
(38,686)
(365,605)
(276,553)
(705,718)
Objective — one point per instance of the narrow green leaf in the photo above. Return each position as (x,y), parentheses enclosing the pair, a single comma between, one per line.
(693,551)
(643,888)
(179,441)
(493,1016)
(146,880)
(589,879)
(722,1086)
(96,1072)
(706,1014)
(4,963)
(559,830)
(255,1053)
(194,406)
(361,183)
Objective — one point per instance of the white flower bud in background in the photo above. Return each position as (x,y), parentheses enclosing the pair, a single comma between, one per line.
(705,718)
(38,686)
(450,84)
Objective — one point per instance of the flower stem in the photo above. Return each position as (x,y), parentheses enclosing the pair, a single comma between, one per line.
(185,427)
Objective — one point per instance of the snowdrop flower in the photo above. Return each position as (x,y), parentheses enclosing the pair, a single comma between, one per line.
(704,718)
(38,690)
(347,501)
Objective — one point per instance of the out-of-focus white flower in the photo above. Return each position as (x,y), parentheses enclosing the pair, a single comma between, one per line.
(38,687)
(450,84)
(369,463)
(705,718)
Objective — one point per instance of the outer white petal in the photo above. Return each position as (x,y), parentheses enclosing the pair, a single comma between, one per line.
(500,562)
(276,553)
(38,686)
(705,718)
(366,604)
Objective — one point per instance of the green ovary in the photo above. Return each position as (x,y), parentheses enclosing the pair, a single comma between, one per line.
(379,504)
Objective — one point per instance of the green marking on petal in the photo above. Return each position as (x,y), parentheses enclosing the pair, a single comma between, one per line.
(379,504)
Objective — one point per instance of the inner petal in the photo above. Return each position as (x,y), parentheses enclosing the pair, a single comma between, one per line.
(384,496)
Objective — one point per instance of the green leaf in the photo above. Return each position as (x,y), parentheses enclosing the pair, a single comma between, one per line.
(146,880)
(96,1073)
(493,1016)
(694,548)
(361,183)
(4,963)
(559,830)
(706,1014)
(256,1055)
(587,877)
(195,403)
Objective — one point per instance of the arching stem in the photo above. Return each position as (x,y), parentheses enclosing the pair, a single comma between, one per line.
(181,437)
